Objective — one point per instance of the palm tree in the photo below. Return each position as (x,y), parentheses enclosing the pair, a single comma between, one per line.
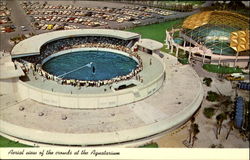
(220,118)
(231,124)
(192,120)
(190,133)
(224,117)
(191,129)
(224,5)
(217,128)
(195,132)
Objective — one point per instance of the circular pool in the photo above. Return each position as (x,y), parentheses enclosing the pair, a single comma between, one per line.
(90,65)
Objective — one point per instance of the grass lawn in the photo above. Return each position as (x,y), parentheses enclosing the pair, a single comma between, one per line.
(183,60)
(189,2)
(4,142)
(151,145)
(193,2)
(155,31)
(221,69)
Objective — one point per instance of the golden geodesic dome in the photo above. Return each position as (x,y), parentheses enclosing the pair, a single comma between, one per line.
(216,17)
(239,40)
(196,20)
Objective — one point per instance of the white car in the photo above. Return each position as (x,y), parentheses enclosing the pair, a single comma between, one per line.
(76,20)
(44,27)
(24,28)
(136,22)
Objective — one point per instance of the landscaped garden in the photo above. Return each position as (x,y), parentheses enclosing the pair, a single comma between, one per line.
(150,145)
(155,31)
(4,142)
(183,58)
(221,69)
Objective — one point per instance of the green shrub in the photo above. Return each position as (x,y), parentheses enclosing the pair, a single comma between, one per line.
(212,96)
(209,112)
(221,69)
(207,81)
(183,60)
(150,145)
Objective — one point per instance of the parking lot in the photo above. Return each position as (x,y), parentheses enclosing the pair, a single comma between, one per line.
(52,16)
(5,21)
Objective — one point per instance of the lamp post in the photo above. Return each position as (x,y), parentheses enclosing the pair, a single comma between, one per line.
(237,54)
(220,55)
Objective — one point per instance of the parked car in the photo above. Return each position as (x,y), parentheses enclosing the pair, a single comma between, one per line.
(136,22)
(235,77)
(24,28)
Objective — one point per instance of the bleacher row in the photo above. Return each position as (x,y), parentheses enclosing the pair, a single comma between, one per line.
(56,46)
(244,85)
(239,112)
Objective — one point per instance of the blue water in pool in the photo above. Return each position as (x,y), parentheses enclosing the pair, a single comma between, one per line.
(90,65)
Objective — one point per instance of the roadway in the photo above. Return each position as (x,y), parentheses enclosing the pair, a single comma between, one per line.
(18,18)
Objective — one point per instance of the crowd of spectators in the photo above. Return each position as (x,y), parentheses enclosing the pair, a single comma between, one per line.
(34,63)
(67,43)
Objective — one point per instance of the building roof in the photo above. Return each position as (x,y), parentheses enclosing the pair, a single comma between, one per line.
(7,68)
(150,44)
(239,40)
(31,46)
(217,18)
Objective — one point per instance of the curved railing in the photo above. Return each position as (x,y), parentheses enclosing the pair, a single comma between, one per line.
(122,50)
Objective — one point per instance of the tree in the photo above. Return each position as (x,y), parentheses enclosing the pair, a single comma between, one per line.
(212,96)
(224,117)
(209,112)
(207,81)
(195,132)
(191,129)
(45,3)
(190,134)
(192,120)
(224,5)
(219,118)
(231,125)
(217,128)
(236,5)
